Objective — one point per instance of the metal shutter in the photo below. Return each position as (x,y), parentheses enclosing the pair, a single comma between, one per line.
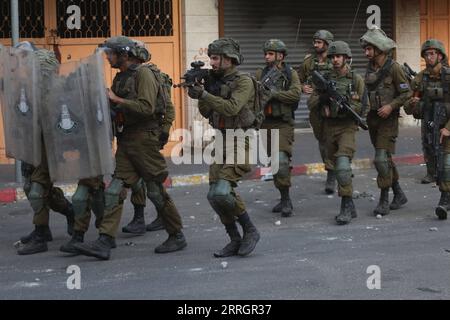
(252,22)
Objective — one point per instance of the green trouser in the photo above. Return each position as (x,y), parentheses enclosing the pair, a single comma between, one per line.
(53,197)
(316,121)
(233,173)
(341,142)
(286,134)
(444,185)
(83,220)
(138,156)
(383,134)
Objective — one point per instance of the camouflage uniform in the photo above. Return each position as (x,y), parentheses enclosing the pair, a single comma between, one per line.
(386,86)
(311,63)
(279,115)
(432,87)
(227,101)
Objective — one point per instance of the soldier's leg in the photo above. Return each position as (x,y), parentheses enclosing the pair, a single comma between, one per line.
(59,203)
(137,224)
(430,177)
(444,186)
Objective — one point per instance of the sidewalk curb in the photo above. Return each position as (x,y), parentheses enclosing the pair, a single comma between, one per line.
(9,195)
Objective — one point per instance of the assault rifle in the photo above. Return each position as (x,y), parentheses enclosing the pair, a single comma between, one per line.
(196,75)
(329,87)
(409,72)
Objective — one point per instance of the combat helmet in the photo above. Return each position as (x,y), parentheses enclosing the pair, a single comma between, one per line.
(275,45)
(339,47)
(378,38)
(433,44)
(120,45)
(141,51)
(226,47)
(324,35)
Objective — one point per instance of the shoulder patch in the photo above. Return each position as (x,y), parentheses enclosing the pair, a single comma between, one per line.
(404,86)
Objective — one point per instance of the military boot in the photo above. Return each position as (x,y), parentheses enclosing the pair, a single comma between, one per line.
(232,248)
(431,173)
(399,197)
(441,210)
(383,204)
(155,225)
(37,244)
(100,248)
(137,225)
(348,211)
(285,206)
(251,235)
(330,185)
(78,237)
(47,235)
(175,242)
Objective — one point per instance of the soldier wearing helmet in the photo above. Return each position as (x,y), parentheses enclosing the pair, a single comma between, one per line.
(227,100)
(318,61)
(279,114)
(388,90)
(139,163)
(430,99)
(338,125)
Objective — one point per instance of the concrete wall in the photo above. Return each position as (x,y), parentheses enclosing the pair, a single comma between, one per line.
(407,35)
(200,19)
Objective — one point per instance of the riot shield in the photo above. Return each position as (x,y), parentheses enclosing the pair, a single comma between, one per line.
(78,131)
(20,98)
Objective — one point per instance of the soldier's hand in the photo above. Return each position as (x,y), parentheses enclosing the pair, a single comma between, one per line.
(414,101)
(112,96)
(307,89)
(195,92)
(444,133)
(385,111)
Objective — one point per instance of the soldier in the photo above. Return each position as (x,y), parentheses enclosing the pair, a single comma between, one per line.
(319,62)
(431,92)
(227,100)
(39,188)
(279,114)
(134,93)
(339,126)
(388,90)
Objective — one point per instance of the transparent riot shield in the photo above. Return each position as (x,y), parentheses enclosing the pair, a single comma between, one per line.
(77,125)
(20,97)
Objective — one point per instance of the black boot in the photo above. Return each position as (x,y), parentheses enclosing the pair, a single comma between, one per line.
(175,242)
(399,197)
(100,248)
(155,225)
(78,237)
(251,235)
(70,217)
(348,211)
(383,204)
(232,248)
(47,235)
(137,225)
(286,203)
(330,185)
(37,244)
(441,210)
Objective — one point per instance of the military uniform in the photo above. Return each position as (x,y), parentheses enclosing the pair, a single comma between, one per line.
(432,87)
(312,63)
(228,100)
(386,86)
(279,115)
(39,188)
(340,128)
(138,155)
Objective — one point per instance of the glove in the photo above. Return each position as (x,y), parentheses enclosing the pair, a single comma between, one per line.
(163,139)
(195,92)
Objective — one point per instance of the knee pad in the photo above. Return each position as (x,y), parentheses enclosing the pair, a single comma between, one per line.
(27,187)
(36,197)
(284,163)
(381,162)
(136,187)
(446,175)
(343,171)
(80,200)
(220,196)
(112,194)
(155,194)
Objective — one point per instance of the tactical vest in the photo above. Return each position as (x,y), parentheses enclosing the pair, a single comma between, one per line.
(324,69)
(380,85)
(345,86)
(275,108)
(436,90)
(223,88)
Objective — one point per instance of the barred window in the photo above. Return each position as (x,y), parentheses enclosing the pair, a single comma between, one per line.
(95,19)
(31,19)
(143,18)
